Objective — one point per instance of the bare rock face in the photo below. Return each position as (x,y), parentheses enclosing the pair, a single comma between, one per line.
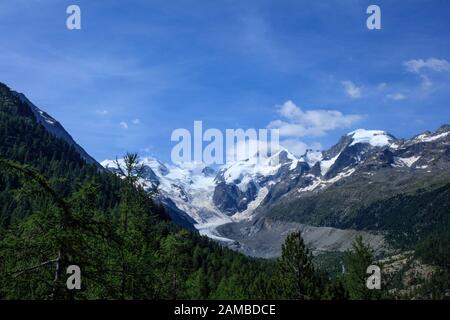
(230,199)
(263,238)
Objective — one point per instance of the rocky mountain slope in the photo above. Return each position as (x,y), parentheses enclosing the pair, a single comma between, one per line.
(54,127)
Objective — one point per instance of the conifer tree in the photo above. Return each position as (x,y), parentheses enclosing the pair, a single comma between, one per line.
(44,242)
(296,273)
(136,255)
(356,262)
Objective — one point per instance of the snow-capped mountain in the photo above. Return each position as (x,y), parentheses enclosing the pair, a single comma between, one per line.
(243,192)
(186,191)
(195,190)
(241,186)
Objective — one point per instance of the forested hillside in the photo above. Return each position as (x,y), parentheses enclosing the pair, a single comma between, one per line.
(57,211)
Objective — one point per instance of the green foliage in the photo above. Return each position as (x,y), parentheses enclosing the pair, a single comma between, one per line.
(356,262)
(125,252)
(435,249)
(330,262)
(437,287)
(409,218)
(297,277)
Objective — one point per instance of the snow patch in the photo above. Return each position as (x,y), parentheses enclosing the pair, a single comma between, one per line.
(248,170)
(318,183)
(405,162)
(247,214)
(375,138)
(325,165)
(429,138)
(209,229)
(311,157)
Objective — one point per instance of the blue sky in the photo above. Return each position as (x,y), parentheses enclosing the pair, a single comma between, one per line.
(137,70)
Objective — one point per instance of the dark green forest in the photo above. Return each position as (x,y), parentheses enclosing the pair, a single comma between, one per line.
(57,210)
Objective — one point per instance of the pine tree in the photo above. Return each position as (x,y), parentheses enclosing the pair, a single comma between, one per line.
(176,263)
(356,262)
(230,288)
(296,273)
(136,255)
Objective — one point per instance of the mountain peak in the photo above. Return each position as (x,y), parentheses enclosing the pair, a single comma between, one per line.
(376,138)
(443,128)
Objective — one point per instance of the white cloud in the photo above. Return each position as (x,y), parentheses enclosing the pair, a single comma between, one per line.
(397,96)
(426,82)
(431,64)
(382,86)
(299,123)
(147,149)
(136,121)
(297,147)
(101,112)
(124,125)
(351,89)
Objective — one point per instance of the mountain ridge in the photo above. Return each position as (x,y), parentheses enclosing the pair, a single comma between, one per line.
(54,127)
(244,192)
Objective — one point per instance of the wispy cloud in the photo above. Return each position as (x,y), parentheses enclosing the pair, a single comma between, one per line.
(299,123)
(431,64)
(298,147)
(102,112)
(397,96)
(352,90)
(123,125)
(426,82)
(382,86)
(426,68)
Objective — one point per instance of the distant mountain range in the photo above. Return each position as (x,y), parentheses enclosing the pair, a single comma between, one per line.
(393,192)
(331,195)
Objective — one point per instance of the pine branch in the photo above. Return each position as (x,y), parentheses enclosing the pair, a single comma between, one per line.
(20,272)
